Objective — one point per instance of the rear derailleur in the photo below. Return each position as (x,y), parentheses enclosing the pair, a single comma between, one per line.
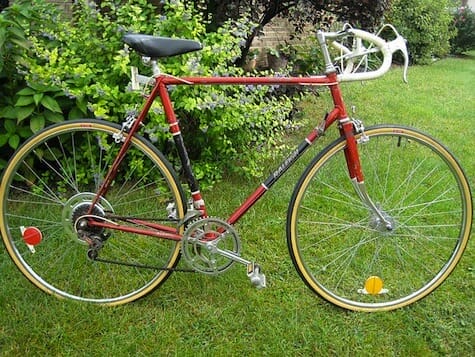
(93,237)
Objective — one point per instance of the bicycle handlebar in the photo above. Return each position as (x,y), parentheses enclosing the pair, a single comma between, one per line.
(387,48)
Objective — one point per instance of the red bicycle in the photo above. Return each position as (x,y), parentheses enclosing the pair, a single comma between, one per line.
(92,211)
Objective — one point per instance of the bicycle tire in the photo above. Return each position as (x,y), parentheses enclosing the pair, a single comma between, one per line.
(50,181)
(340,249)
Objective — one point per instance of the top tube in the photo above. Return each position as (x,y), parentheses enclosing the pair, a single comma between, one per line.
(322,80)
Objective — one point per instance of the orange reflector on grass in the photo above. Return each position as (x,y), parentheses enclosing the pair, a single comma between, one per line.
(373,285)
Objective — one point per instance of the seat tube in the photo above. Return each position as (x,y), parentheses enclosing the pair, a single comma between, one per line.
(198,202)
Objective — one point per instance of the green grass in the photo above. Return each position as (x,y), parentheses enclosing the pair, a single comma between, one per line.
(192,314)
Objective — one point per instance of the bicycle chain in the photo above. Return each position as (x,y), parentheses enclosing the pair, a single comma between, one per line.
(143,266)
(95,244)
(92,253)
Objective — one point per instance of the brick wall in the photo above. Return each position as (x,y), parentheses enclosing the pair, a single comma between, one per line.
(275,33)
(278,32)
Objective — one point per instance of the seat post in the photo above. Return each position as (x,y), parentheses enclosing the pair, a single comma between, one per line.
(155,69)
(152,62)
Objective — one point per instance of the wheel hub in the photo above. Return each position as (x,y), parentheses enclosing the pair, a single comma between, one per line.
(78,206)
(378,224)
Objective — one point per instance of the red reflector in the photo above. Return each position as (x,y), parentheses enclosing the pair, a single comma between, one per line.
(31,235)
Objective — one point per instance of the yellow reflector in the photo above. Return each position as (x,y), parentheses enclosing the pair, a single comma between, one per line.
(373,285)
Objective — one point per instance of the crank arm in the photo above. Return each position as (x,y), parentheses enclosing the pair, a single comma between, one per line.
(258,279)
(231,255)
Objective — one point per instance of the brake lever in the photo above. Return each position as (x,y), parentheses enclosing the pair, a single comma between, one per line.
(398,44)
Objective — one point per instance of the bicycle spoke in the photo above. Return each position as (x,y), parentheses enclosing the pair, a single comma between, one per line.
(51,185)
(337,244)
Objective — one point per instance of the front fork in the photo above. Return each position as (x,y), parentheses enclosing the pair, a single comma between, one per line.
(348,128)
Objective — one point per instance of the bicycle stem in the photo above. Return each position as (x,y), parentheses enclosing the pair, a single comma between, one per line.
(329,67)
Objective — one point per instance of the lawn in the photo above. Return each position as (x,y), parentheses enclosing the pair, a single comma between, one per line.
(193,314)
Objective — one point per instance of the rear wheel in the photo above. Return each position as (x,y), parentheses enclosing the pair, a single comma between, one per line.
(48,187)
(347,255)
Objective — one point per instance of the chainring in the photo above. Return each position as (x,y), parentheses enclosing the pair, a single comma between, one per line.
(202,241)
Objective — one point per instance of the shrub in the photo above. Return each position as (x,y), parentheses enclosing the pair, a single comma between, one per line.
(13,43)
(25,108)
(87,59)
(37,105)
(13,40)
(426,24)
(464,22)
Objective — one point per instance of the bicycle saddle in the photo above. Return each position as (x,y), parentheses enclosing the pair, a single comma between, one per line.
(154,46)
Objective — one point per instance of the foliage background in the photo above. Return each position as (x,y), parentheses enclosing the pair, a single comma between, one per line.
(464,22)
(63,54)
(427,26)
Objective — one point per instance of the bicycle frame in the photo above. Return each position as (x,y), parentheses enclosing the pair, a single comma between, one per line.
(160,89)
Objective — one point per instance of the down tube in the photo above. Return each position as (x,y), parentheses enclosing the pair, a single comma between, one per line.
(274,177)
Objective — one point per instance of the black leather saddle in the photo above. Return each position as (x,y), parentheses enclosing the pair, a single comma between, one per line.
(154,46)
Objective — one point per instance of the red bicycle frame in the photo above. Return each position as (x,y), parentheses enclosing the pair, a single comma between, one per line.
(160,89)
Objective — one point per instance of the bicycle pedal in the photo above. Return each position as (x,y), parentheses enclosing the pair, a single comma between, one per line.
(258,279)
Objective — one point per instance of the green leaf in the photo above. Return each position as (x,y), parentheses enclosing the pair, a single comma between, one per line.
(37,123)
(9,126)
(8,112)
(26,91)
(52,154)
(75,113)
(37,98)
(24,131)
(51,104)
(14,141)
(24,100)
(22,43)
(44,88)
(37,87)
(24,112)
(82,104)
(18,32)
(3,36)
(53,117)
(3,139)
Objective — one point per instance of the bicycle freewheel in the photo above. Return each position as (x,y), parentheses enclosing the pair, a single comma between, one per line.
(209,245)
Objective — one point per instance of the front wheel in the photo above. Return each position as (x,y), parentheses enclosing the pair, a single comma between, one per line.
(50,184)
(343,251)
